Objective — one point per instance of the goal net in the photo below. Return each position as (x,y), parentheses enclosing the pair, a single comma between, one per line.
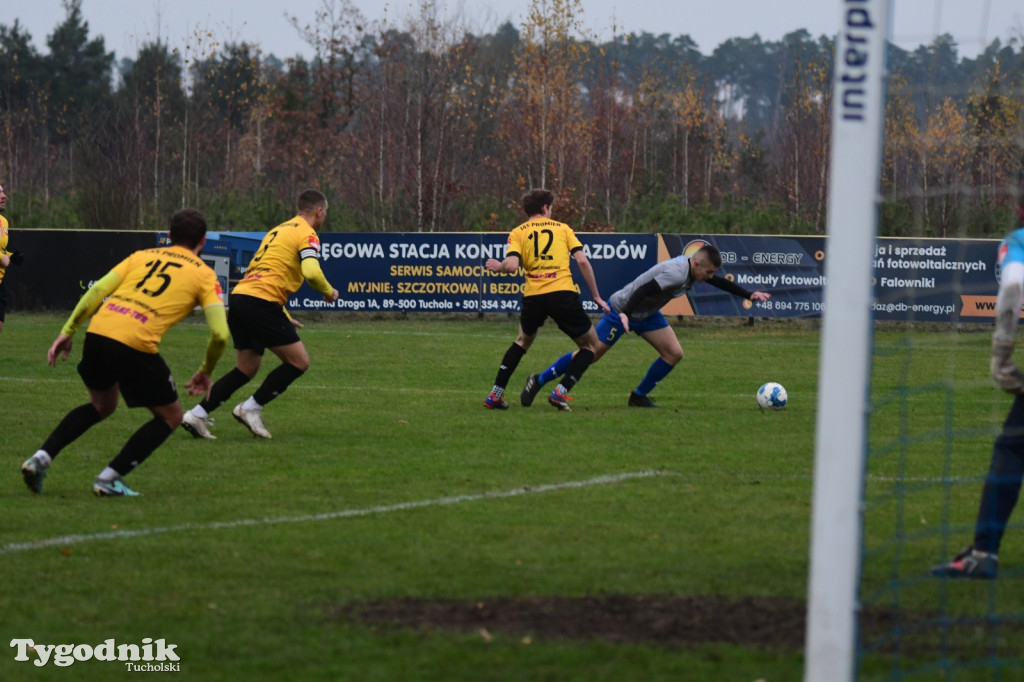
(927,166)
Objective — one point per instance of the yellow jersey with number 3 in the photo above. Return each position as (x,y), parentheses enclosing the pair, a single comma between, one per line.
(158,288)
(275,272)
(545,247)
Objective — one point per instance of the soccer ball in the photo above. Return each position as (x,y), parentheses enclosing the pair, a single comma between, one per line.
(771,396)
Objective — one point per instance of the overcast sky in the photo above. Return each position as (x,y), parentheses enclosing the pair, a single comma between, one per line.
(126,24)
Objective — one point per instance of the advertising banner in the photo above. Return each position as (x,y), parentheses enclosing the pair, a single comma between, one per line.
(940,280)
(791,269)
(444,272)
(926,280)
(931,280)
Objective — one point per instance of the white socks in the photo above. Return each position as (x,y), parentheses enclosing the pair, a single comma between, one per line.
(108,474)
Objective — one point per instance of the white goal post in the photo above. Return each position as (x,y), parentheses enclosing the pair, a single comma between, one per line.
(858,110)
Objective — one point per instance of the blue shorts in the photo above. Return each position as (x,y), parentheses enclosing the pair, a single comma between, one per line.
(609,329)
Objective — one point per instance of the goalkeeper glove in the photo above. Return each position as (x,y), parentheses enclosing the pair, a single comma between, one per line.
(1005,372)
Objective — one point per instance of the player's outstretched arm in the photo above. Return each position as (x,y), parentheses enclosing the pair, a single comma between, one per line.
(199,384)
(86,307)
(315,276)
(509,265)
(217,321)
(61,346)
(295,323)
(731,287)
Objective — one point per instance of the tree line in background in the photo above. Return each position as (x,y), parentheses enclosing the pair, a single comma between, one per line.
(433,128)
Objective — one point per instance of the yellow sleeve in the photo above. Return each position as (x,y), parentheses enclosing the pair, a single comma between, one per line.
(315,276)
(217,320)
(90,302)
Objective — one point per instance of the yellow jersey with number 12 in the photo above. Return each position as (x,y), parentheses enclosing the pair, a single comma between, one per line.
(545,248)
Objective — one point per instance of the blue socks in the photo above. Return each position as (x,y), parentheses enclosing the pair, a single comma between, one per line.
(556,370)
(658,370)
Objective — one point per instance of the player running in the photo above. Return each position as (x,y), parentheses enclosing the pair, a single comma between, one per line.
(288,254)
(637,307)
(132,307)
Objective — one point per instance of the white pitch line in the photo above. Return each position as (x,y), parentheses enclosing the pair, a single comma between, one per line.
(326,516)
(926,479)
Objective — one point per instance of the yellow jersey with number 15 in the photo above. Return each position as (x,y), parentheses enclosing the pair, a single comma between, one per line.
(545,248)
(158,288)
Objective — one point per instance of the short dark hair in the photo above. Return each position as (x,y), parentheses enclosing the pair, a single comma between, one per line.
(188,227)
(310,200)
(712,254)
(535,200)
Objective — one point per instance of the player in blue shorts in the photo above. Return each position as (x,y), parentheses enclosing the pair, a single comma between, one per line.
(1006,471)
(637,308)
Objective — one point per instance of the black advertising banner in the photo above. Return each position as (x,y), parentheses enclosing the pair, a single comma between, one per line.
(926,280)
(61,265)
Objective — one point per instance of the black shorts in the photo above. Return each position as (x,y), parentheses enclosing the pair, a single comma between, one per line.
(144,378)
(563,307)
(3,301)
(257,324)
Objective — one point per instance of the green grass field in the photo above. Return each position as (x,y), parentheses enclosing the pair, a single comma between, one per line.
(386,478)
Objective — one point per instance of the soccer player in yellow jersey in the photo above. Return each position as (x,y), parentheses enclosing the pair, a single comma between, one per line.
(543,247)
(132,307)
(6,257)
(288,254)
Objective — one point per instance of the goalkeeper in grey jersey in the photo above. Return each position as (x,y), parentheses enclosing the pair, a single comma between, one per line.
(1002,486)
(637,307)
